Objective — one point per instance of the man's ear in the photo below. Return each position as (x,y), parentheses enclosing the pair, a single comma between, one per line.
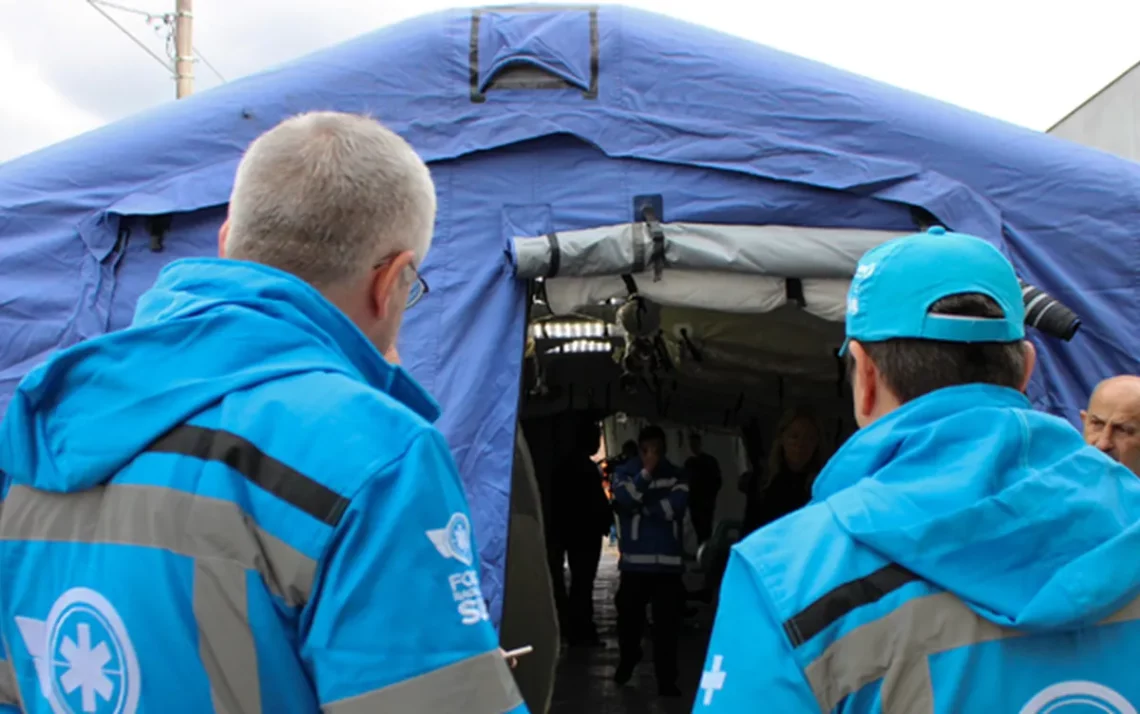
(864,381)
(387,279)
(223,234)
(1030,364)
(1084,418)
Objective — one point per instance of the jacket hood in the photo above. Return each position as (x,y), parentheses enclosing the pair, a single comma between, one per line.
(1003,506)
(207,328)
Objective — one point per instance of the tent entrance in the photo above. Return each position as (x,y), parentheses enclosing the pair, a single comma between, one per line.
(715,330)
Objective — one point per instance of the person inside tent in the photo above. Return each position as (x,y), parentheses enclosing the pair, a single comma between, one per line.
(794,460)
(238,504)
(704,485)
(580,517)
(1112,420)
(962,551)
(650,497)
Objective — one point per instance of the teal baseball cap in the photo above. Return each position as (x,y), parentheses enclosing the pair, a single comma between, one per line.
(896,284)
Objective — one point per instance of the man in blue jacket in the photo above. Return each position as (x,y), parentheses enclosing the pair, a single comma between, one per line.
(237,504)
(650,497)
(962,552)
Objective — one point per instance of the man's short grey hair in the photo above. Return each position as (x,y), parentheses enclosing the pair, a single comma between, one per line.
(326,196)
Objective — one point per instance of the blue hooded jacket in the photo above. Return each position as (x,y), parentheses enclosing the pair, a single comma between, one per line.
(236,505)
(651,516)
(963,553)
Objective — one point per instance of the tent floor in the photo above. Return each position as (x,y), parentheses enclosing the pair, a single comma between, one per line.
(584,681)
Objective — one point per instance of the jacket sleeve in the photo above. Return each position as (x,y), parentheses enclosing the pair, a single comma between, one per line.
(672,505)
(749,658)
(629,488)
(9,696)
(397,621)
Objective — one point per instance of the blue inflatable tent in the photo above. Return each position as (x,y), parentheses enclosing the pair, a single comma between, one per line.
(543,121)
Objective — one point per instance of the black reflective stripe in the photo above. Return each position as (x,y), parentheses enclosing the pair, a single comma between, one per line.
(841,601)
(267,472)
(555,255)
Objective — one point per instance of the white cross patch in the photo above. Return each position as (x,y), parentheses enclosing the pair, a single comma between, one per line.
(712,681)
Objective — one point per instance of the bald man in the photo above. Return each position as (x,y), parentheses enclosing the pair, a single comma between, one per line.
(1112,421)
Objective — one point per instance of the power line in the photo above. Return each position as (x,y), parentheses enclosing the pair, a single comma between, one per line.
(208,64)
(95,4)
(158,20)
(123,8)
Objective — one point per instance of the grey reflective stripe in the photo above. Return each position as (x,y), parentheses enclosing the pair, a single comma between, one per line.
(896,648)
(479,685)
(641,559)
(635,527)
(155,517)
(9,692)
(225,639)
(631,490)
(664,483)
(667,509)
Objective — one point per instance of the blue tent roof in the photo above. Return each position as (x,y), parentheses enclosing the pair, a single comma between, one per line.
(727,130)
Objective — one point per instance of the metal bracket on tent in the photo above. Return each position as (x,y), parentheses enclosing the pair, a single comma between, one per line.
(158,227)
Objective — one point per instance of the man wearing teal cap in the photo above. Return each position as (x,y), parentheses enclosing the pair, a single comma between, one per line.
(962,552)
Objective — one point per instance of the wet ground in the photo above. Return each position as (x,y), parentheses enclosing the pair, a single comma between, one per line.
(584,684)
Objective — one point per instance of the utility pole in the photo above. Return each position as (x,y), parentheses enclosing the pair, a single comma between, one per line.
(184,47)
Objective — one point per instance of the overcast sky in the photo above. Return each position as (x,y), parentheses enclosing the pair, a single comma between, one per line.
(64,69)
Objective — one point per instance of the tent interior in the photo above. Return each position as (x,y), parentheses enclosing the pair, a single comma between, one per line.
(723,352)
(729,376)
(727,369)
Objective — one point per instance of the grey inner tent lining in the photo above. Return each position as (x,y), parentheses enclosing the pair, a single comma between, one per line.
(788,251)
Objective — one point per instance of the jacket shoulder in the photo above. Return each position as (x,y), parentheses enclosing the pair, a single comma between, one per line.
(328,426)
(819,581)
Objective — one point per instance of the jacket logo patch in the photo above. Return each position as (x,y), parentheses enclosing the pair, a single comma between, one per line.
(84,659)
(454,540)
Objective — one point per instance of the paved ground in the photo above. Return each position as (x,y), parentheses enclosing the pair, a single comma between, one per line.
(584,684)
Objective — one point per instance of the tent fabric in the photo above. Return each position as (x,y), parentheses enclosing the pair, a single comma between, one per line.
(773,139)
(786,251)
(528,582)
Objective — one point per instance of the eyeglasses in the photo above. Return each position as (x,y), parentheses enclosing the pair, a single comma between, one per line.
(419,285)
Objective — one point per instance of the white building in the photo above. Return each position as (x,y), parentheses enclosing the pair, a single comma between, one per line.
(1109,120)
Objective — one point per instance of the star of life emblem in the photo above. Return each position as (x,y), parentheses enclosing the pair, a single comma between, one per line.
(1077,696)
(454,540)
(84,659)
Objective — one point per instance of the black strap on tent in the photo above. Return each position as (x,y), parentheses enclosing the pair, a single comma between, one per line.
(630,284)
(657,234)
(555,255)
(122,237)
(662,351)
(158,226)
(794,291)
(688,344)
